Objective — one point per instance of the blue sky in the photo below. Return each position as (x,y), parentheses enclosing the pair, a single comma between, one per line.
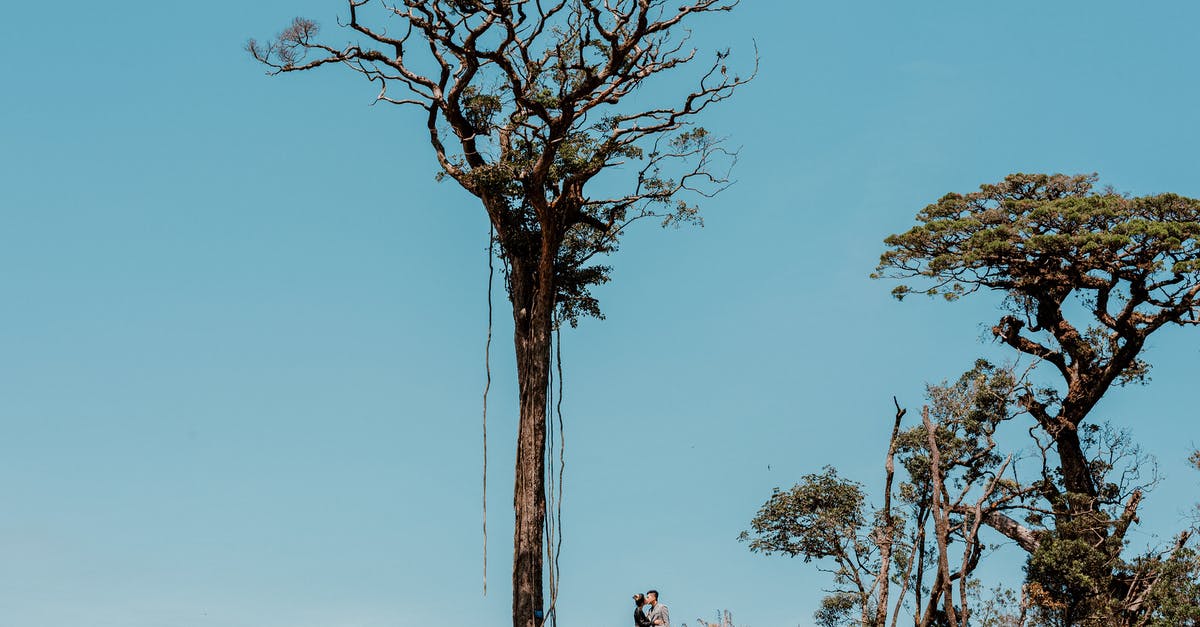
(243,327)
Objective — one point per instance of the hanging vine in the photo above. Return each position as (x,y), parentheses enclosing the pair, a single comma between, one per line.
(487,386)
(554,483)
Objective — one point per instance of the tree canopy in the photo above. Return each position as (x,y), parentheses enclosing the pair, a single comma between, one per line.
(1086,275)
(527,103)
(1055,245)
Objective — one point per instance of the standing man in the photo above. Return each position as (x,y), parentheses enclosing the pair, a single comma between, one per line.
(658,615)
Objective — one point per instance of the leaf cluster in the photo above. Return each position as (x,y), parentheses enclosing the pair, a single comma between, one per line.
(819,517)
(1035,233)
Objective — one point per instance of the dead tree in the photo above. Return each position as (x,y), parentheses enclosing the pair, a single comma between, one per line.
(525,103)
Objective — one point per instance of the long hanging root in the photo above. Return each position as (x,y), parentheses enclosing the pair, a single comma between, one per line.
(562,443)
(551,619)
(487,386)
(555,483)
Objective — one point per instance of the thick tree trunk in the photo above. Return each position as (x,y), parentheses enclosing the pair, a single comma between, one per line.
(1077,476)
(532,293)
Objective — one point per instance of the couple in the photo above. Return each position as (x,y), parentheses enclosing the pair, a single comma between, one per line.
(649,612)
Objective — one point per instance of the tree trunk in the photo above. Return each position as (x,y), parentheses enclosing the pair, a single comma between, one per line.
(941,525)
(888,531)
(532,293)
(1077,476)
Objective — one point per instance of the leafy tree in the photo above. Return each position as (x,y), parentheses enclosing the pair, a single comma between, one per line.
(952,480)
(822,518)
(837,610)
(1087,276)
(1057,251)
(1132,264)
(525,105)
(1173,600)
(1173,596)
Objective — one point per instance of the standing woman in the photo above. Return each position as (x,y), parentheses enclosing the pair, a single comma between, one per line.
(639,617)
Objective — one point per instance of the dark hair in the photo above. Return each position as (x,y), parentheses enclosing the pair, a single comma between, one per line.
(654,592)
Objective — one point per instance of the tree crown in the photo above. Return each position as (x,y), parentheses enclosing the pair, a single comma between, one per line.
(528,102)
(1035,234)
(1131,263)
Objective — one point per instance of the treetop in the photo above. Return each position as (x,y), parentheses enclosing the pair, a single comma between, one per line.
(1049,234)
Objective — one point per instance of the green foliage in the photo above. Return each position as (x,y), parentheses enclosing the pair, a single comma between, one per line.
(826,517)
(597,229)
(1078,576)
(837,610)
(480,109)
(1174,600)
(967,413)
(817,518)
(1073,576)
(1039,234)
(1056,247)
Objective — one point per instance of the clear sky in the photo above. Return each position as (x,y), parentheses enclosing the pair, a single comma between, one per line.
(241,327)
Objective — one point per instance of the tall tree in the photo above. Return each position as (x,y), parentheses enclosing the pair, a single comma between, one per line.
(1087,276)
(526,103)
(1132,265)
